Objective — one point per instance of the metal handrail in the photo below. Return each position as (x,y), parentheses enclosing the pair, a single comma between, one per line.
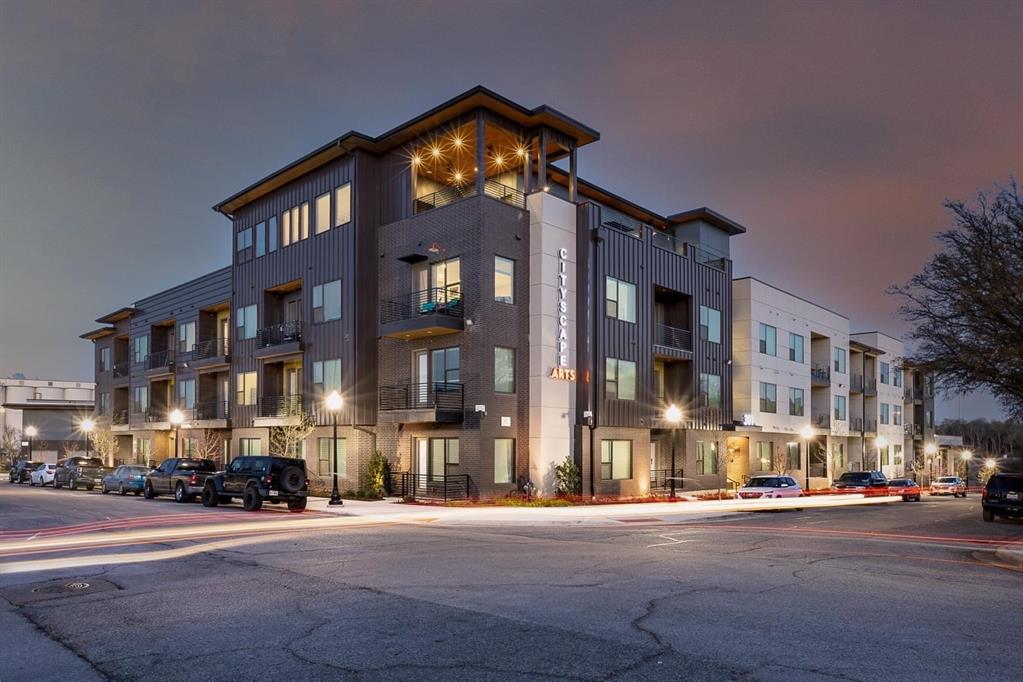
(160,359)
(280,334)
(673,337)
(433,301)
(212,409)
(122,369)
(660,479)
(211,348)
(821,372)
(118,417)
(822,420)
(441,487)
(279,406)
(444,196)
(510,195)
(441,395)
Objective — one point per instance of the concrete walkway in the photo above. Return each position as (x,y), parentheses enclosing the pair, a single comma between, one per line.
(589,515)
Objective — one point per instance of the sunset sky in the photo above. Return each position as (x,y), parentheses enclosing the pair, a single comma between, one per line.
(832,131)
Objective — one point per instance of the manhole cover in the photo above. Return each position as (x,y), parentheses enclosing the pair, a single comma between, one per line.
(66,587)
(54,589)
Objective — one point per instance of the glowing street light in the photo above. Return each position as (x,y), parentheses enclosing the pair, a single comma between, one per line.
(176,418)
(966,456)
(31,432)
(806,433)
(673,415)
(86,426)
(333,403)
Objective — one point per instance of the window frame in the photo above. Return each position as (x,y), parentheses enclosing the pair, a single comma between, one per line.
(768,389)
(705,383)
(609,452)
(322,217)
(706,328)
(615,285)
(801,402)
(613,378)
(768,340)
(242,388)
(509,465)
(343,217)
(792,347)
(498,273)
(498,387)
(320,296)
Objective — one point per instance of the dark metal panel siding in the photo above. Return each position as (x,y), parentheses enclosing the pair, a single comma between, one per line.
(320,258)
(363,385)
(395,183)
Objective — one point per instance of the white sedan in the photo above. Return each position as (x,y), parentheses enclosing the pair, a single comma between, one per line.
(42,475)
(770,487)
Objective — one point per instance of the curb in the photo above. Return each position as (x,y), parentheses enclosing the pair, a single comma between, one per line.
(1010,556)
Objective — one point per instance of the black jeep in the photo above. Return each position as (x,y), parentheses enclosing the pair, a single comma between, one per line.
(258,479)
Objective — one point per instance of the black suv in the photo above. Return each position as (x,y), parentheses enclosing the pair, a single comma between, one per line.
(1002,496)
(259,479)
(21,471)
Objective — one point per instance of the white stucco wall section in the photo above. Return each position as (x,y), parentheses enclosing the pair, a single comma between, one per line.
(552,227)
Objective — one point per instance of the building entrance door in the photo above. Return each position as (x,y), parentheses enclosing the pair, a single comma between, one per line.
(737,469)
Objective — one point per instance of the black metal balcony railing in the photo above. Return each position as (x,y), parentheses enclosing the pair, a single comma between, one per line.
(510,195)
(279,406)
(122,369)
(442,487)
(433,395)
(870,385)
(154,414)
(211,348)
(444,196)
(870,425)
(822,420)
(820,372)
(160,359)
(280,334)
(660,479)
(433,301)
(118,417)
(856,383)
(673,337)
(214,409)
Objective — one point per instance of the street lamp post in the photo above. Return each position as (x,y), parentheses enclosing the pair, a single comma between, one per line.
(176,418)
(930,450)
(86,428)
(31,432)
(333,403)
(673,416)
(966,456)
(806,433)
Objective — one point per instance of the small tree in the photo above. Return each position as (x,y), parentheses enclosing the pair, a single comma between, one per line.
(568,478)
(376,475)
(286,440)
(722,458)
(70,448)
(208,445)
(104,442)
(10,445)
(781,460)
(985,473)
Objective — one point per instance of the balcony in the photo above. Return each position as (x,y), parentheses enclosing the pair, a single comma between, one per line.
(430,312)
(672,342)
(869,426)
(422,403)
(822,420)
(449,194)
(914,430)
(820,374)
(211,414)
(122,371)
(869,386)
(856,383)
(211,353)
(159,363)
(279,339)
(278,410)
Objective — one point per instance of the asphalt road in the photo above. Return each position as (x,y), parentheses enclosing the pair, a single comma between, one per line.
(901,591)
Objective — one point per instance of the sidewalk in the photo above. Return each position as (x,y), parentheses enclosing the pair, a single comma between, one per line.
(394,510)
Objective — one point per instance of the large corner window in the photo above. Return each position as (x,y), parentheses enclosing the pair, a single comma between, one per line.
(615,460)
(621,299)
(327,301)
(504,280)
(295,224)
(245,319)
(620,379)
(710,324)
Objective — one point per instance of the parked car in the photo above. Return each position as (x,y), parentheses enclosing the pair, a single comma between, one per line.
(948,485)
(79,471)
(182,476)
(125,479)
(259,479)
(1002,496)
(42,475)
(906,487)
(21,471)
(869,483)
(770,486)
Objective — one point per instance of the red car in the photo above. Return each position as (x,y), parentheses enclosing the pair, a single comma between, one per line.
(906,487)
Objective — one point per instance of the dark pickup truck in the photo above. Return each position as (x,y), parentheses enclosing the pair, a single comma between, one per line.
(74,472)
(259,479)
(182,476)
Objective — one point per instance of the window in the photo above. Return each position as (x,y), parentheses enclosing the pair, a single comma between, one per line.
(141,349)
(443,454)
(244,245)
(620,379)
(504,280)
(271,231)
(615,460)
(246,388)
(885,453)
(504,460)
(897,414)
(249,446)
(140,399)
(446,279)
(885,409)
(260,240)
(327,301)
(710,324)
(796,348)
(621,299)
(142,449)
(104,403)
(768,397)
(295,224)
(839,355)
(104,359)
(446,365)
(768,339)
(897,377)
(839,454)
(840,408)
(897,452)
(796,405)
(186,337)
(186,393)
(885,371)
(659,380)
(325,452)
(765,455)
(504,370)
(327,376)
(343,205)
(189,446)
(245,320)
(792,459)
(323,213)
(710,390)
(706,458)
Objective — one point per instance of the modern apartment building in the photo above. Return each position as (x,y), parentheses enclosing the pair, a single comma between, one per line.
(51,408)
(483,311)
(830,400)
